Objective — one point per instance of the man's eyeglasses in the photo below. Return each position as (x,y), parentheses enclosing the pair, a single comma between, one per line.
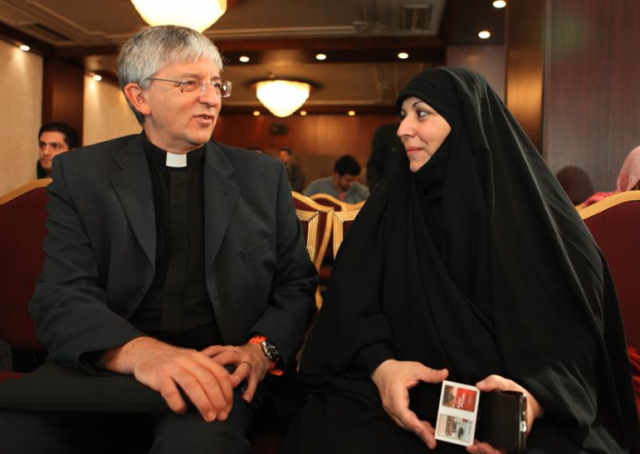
(222,87)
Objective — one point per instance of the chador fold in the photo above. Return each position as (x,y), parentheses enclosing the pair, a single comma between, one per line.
(477,263)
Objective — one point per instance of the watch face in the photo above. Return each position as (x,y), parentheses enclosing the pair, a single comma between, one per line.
(270,350)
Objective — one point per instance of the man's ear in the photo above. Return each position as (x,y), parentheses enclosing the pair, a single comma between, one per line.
(136,96)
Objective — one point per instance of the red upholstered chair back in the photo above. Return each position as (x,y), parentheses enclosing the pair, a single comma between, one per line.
(23,216)
(615,224)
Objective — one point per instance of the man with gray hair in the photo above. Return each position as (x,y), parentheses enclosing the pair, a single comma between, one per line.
(171,260)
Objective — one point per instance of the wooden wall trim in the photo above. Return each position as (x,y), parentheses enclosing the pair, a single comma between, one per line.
(63,93)
(525,65)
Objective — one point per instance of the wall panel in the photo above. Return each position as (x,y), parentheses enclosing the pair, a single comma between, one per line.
(20,114)
(106,114)
(62,94)
(316,140)
(592,63)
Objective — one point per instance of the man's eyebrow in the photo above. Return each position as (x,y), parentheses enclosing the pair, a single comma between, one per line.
(197,76)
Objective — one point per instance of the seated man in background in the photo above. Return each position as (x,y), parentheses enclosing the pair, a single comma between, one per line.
(294,171)
(172,259)
(342,185)
(54,138)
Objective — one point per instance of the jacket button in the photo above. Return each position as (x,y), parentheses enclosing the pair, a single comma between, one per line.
(142,289)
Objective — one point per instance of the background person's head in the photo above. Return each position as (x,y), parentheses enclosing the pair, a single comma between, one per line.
(284,155)
(171,78)
(345,172)
(55,138)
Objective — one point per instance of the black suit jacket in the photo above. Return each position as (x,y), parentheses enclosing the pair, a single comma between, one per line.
(100,252)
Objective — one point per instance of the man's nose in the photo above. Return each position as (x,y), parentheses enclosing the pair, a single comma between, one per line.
(210,96)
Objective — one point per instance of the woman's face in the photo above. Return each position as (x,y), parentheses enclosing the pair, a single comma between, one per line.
(421,131)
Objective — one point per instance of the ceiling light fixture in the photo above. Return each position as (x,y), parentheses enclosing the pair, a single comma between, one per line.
(403,55)
(499,4)
(24,48)
(244,59)
(97,77)
(321,57)
(282,97)
(484,34)
(303,113)
(196,14)
(256,113)
(351,113)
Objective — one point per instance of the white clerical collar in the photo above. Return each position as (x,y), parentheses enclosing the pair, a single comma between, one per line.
(176,160)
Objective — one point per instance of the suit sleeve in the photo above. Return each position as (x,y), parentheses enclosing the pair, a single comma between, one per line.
(70,307)
(291,300)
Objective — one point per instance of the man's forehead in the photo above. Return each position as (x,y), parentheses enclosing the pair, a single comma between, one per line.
(198,68)
(51,136)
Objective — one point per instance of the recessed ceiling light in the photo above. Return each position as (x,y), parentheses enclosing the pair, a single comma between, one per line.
(499,4)
(321,57)
(484,34)
(97,77)
(351,113)
(303,113)
(244,59)
(24,48)
(256,113)
(403,55)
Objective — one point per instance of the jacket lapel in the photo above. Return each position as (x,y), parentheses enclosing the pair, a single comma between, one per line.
(132,184)
(220,198)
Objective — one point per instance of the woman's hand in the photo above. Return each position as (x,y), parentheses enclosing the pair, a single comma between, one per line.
(394,379)
(497,383)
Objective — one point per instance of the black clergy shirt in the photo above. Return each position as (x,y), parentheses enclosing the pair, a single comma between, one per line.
(177,308)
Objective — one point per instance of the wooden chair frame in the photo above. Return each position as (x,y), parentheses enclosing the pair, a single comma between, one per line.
(344,206)
(320,210)
(616,199)
(24,189)
(312,218)
(354,206)
(337,204)
(340,217)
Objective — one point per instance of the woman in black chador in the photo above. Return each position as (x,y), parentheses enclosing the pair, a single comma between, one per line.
(467,263)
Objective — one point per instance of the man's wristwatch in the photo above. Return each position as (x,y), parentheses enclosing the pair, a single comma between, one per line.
(268,348)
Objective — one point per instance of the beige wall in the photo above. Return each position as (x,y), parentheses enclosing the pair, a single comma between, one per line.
(20,115)
(490,61)
(106,114)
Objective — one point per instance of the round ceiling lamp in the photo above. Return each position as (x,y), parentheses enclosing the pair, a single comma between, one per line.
(196,14)
(282,97)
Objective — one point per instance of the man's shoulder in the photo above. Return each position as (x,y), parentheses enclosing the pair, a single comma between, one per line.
(248,167)
(320,186)
(320,181)
(92,152)
(362,189)
(245,157)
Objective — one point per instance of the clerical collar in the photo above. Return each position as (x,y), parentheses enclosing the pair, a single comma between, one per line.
(165,159)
